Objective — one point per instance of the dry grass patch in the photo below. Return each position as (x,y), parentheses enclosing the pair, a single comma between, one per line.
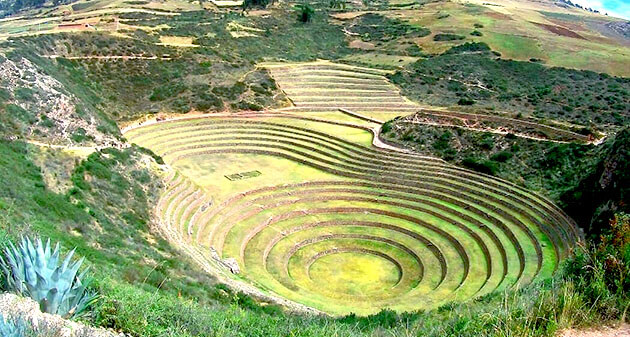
(177,41)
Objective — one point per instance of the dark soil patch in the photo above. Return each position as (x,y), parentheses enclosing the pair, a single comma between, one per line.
(559,30)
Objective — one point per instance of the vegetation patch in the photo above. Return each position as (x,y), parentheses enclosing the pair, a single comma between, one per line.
(378,28)
(447,37)
(243,175)
(582,97)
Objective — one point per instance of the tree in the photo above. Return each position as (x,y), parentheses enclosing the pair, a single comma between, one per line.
(305,12)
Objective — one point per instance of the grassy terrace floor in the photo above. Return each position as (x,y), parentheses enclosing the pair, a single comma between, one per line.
(311,212)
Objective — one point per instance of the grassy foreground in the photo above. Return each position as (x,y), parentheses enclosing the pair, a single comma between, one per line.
(581,295)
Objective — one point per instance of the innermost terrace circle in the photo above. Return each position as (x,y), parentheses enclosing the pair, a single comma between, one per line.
(355,273)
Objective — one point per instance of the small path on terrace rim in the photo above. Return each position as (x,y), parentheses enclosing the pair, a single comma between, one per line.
(107,57)
(620,331)
(89,149)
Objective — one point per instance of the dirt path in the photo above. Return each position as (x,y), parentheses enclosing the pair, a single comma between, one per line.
(82,149)
(107,57)
(621,331)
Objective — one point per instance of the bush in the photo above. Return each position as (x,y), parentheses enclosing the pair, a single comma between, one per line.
(4,95)
(305,12)
(247,4)
(482,166)
(502,156)
(468,47)
(466,101)
(447,37)
(167,91)
(208,101)
(386,127)
(232,92)
(602,272)
(378,28)
(414,50)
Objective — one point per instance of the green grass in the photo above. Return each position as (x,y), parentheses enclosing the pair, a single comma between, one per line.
(355,273)
(513,46)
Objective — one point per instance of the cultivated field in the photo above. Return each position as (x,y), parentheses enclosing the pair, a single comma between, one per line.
(565,37)
(317,87)
(311,212)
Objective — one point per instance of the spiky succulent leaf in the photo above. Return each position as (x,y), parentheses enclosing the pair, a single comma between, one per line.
(9,328)
(33,270)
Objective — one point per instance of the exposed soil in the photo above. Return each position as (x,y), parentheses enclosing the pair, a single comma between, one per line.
(574,26)
(559,30)
(358,44)
(347,15)
(498,16)
(621,331)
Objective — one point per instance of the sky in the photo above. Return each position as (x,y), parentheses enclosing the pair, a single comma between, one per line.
(618,8)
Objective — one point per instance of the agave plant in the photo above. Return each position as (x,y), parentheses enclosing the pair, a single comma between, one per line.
(33,270)
(10,328)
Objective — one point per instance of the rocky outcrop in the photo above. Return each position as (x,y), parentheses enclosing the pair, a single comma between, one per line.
(42,109)
(15,307)
(621,27)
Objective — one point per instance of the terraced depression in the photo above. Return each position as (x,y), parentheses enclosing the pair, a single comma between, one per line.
(306,209)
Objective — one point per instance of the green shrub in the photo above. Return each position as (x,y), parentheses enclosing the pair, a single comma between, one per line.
(443,142)
(24,94)
(482,166)
(379,28)
(79,135)
(208,101)
(305,12)
(386,127)
(4,95)
(602,272)
(246,105)
(167,91)
(447,37)
(232,92)
(414,50)
(476,33)
(247,4)
(502,156)
(18,113)
(466,101)
(337,4)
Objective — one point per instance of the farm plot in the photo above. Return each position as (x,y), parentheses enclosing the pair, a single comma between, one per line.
(324,86)
(331,223)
